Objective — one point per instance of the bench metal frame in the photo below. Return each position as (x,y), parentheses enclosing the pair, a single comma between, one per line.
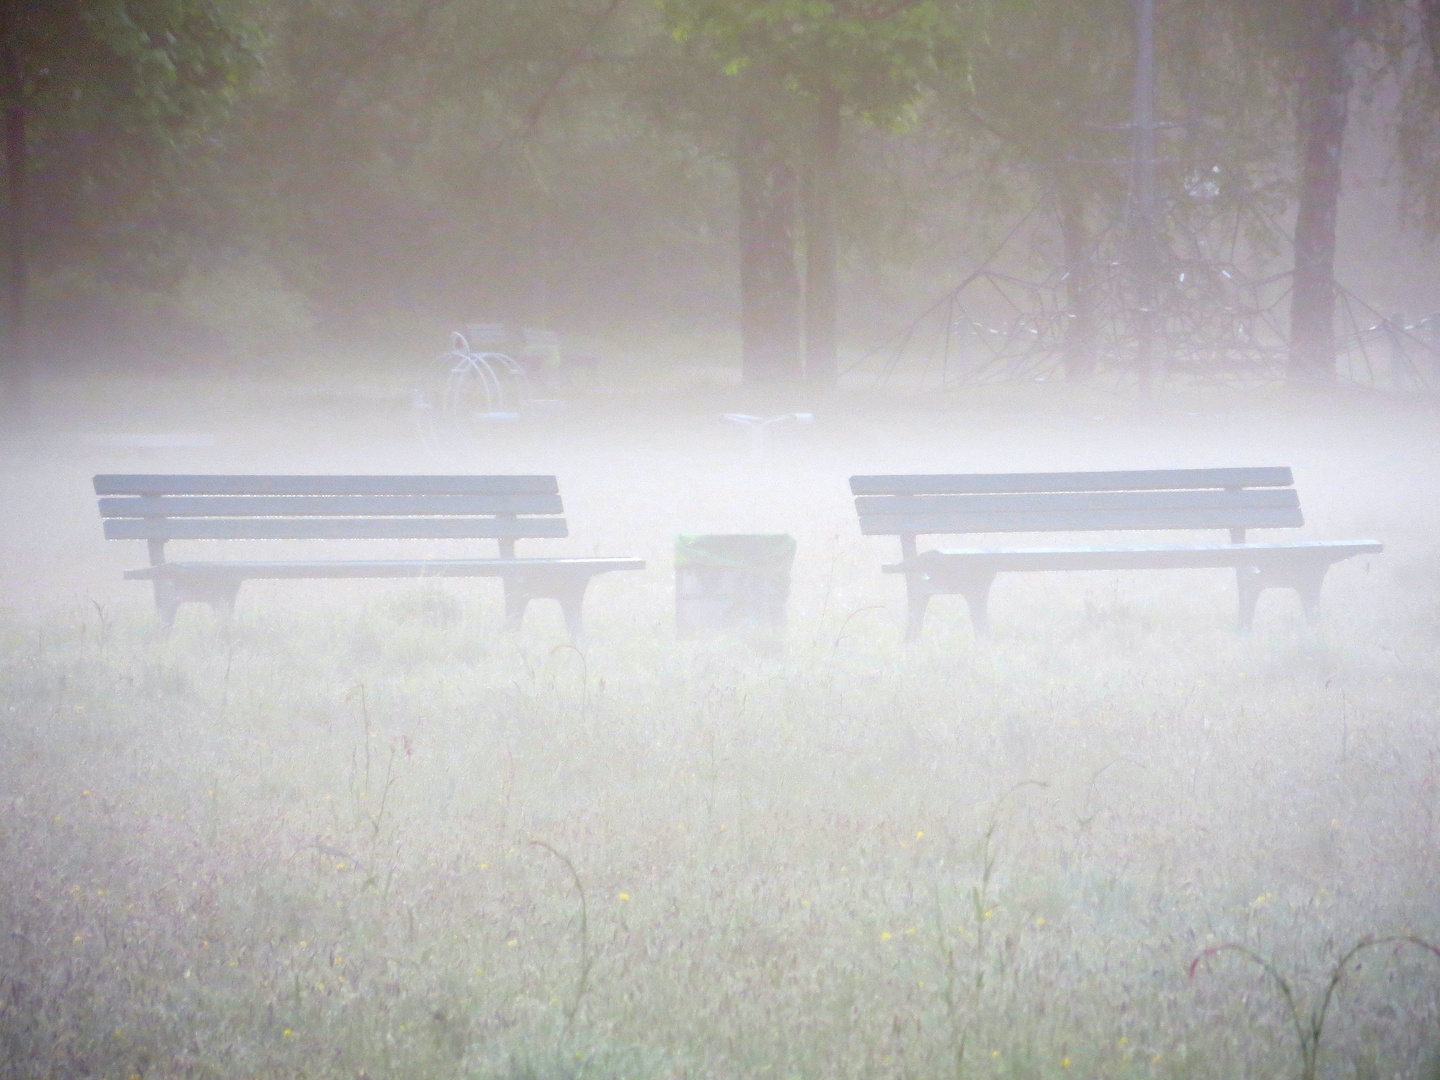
(1235,500)
(162,508)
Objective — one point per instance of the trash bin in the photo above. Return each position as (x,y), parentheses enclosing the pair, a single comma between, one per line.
(732,582)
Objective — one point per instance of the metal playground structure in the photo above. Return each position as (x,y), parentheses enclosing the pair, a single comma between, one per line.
(492,374)
(1211,321)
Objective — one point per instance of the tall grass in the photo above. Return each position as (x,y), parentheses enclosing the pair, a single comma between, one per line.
(225,858)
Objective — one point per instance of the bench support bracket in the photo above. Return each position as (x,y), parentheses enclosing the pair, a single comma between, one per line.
(217,591)
(1305,578)
(973,586)
(567,588)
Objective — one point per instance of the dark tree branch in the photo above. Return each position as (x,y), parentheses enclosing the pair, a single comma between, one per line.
(1430,15)
(573,59)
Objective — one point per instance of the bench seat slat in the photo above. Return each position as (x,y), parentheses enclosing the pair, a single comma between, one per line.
(1268,498)
(189,506)
(1080,521)
(332,528)
(131,484)
(1168,557)
(999,483)
(379,568)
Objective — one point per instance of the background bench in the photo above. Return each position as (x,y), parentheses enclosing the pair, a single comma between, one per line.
(159,509)
(1235,500)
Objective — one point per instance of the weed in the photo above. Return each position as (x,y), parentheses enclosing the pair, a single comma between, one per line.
(1309,1027)
(962,990)
(582,976)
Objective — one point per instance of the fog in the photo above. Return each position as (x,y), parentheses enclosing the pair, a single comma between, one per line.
(702,264)
(361,830)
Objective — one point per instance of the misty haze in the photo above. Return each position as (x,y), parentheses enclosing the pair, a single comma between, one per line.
(789,539)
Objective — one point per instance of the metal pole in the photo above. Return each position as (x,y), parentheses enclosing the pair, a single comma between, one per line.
(1143,189)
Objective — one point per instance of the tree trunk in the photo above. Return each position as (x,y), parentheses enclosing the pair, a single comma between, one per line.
(822,363)
(1322,113)
(1430,18)
(1144,226)
(769,278)
(15,369)
(1080,330)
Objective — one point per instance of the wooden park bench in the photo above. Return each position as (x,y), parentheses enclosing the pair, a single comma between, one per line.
(1236,500)
(159,509)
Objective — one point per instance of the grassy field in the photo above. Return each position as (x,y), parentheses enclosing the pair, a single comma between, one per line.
(360,832)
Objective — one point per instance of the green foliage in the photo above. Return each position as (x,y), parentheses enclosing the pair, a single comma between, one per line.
(1052,90)
(153,69)
(878,57)
(121,100)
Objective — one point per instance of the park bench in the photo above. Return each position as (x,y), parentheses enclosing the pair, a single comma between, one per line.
(160,509)
(1236,500)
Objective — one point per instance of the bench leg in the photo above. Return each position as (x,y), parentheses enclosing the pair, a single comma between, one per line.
(222,600)
(917,595)
(1308,585)
(167,601)
(1248,583)
(572,602)
(517,599)
(977,597)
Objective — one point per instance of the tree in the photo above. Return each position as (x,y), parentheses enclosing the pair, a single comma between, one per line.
(1419,118)
(129,80)
(872,59)
(1315,49)
(1328,36)
(769,282)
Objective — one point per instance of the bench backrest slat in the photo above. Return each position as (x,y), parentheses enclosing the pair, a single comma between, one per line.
(189,506)
(1254,498)
(1016,483)
(479,528)
(161,508)
(1233,499)
(324,485)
